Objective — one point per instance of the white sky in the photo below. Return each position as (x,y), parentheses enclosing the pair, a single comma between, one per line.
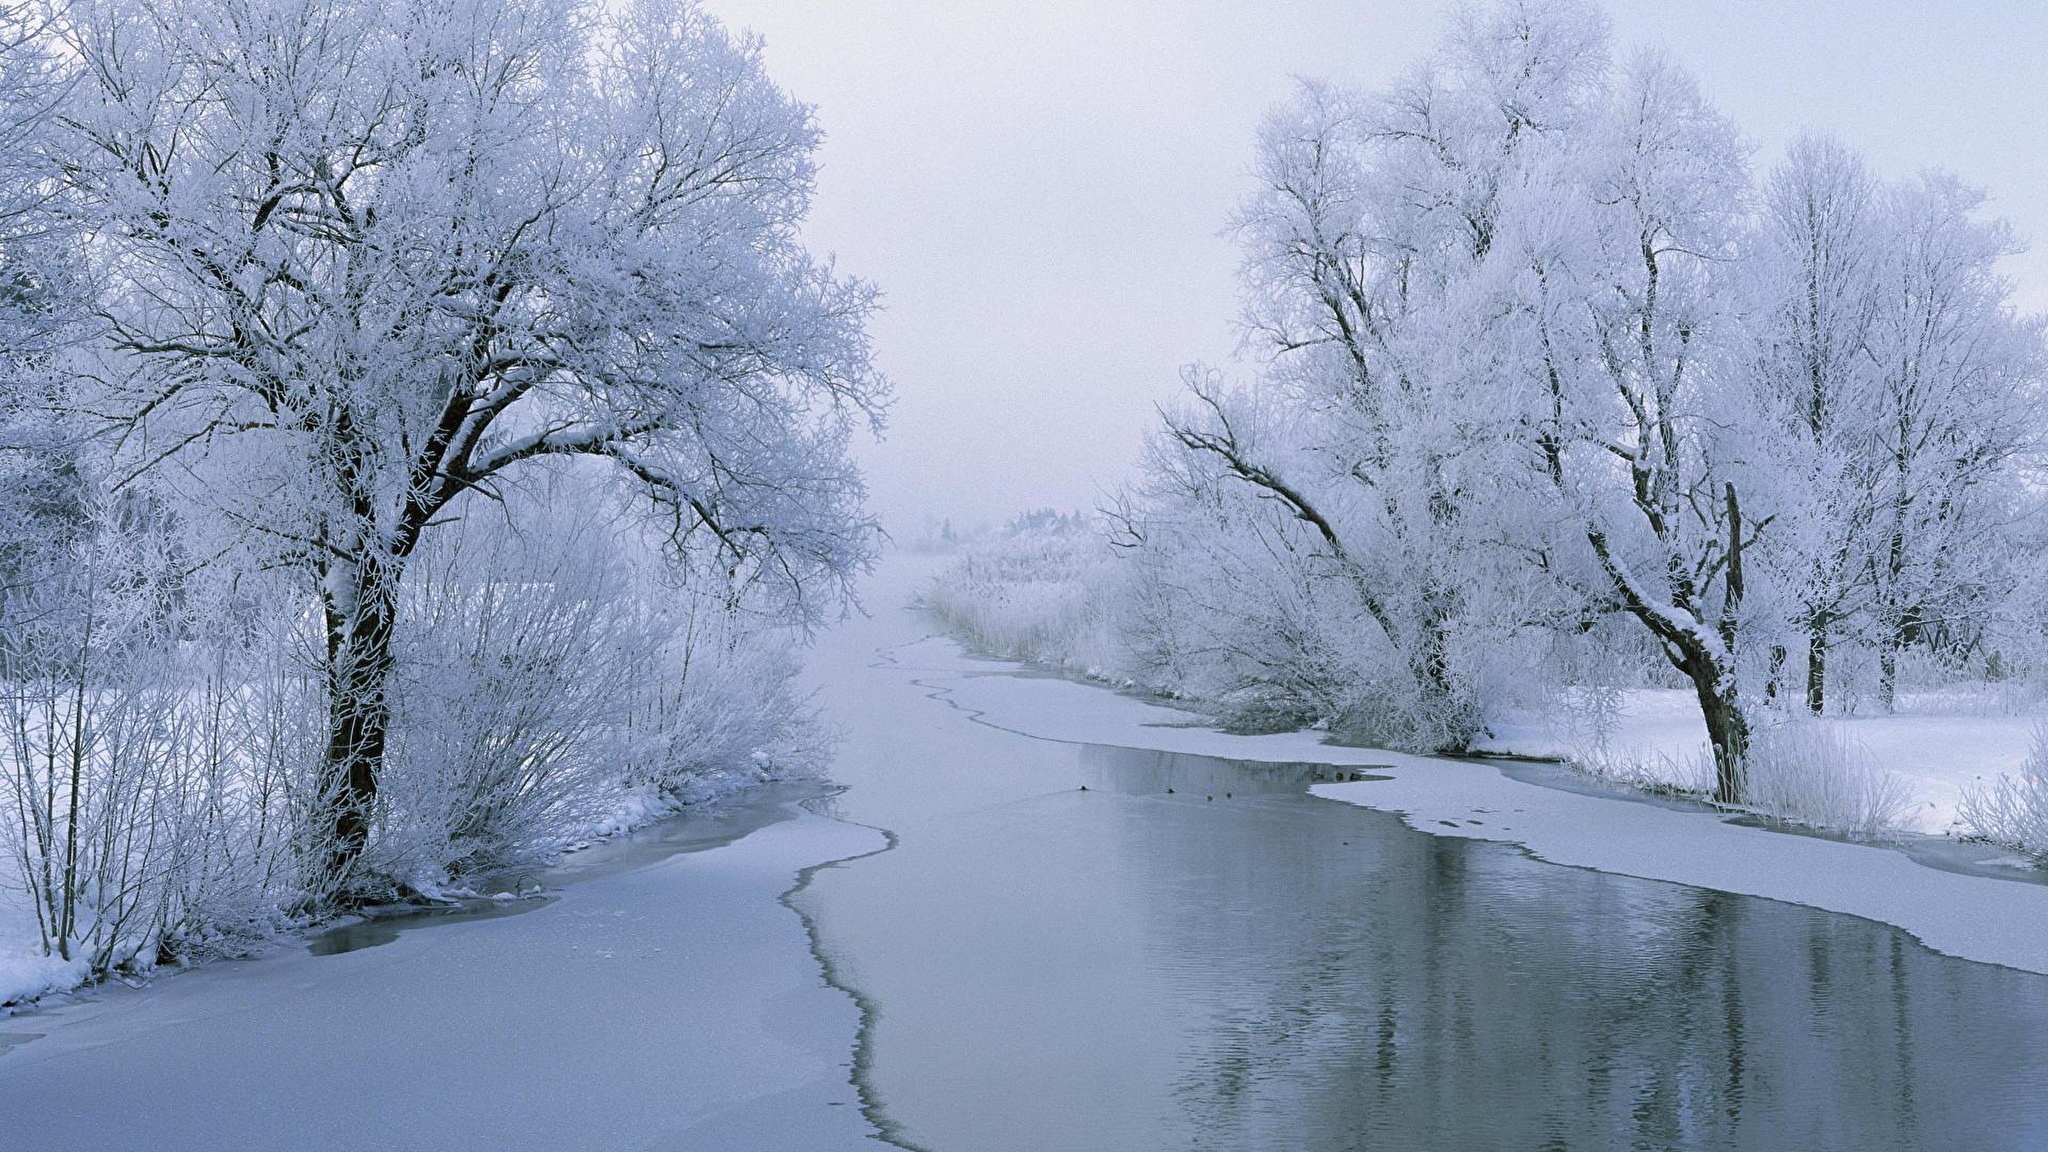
(1038,185)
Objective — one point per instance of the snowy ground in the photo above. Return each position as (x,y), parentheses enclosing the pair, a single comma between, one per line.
(1937,746)
(25,972)
(1974,917)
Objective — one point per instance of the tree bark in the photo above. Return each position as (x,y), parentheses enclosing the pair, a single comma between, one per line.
(1728,732)
(1447,704)
(1888,673)
(360,659)
(1817,664)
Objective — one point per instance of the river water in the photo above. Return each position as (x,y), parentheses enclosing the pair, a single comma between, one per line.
(1085,947)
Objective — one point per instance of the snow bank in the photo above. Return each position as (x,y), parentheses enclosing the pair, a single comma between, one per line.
(25,973)
(1976,918)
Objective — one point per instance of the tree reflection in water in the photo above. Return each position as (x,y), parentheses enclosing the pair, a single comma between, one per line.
(1368,986)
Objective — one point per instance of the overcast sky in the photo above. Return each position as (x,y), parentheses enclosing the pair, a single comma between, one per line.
(1038,185)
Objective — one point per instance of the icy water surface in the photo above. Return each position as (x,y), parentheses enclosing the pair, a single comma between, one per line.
(690,831)
(1194,953)
(667,1000)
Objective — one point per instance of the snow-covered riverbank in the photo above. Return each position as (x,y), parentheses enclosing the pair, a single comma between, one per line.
(1937,746)
(1973,917)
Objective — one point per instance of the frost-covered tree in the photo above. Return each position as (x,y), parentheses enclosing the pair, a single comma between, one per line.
(1373,217)
(1888,341)
(1538,359)
(366,261)
(1814,261)
(1955,407)
(1624,277)
(43,497)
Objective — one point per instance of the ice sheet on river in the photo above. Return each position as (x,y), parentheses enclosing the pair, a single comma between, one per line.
(677,1006)
(1995,921)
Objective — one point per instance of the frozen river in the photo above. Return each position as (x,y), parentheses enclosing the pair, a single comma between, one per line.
(1062,946)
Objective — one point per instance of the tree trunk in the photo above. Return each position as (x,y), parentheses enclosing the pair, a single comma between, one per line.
(1817,664)
(360,659)
(1888,673)
(1727,729)
(1692,650)
(1727,726)
(1450,711)
(1774,681)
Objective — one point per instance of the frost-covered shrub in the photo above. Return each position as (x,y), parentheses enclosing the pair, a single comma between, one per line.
(2013,810)
(501,714)
(1216,604)
(1798,772)
(145,793)
(730,713)
(1806,773)
(1043,590)
(543,686)
(1391,711)
(91,784)
(1659,772)
(249,780)
(162,735)
(1233,624)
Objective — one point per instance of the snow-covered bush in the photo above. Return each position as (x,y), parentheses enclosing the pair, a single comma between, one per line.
(1232,615)
(1807,773)
(1658,772)
(546,677)
(504,694)
(1799,772)
(2013,810)
(145,809)
(1043,590)
(247,788)
(729,713)
(162,733)
(1211,602)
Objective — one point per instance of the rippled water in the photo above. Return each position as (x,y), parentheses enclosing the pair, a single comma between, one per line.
(1235,964)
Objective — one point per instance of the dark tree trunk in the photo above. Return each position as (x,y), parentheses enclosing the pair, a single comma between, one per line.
(1888,673)
(360,658)
(1773,682)
(1727,730)
(1448,704)
(1710,667)
(1817,664)
(1727,725)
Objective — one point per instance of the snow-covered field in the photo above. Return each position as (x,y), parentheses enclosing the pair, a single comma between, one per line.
(1937,747)
(1973,917)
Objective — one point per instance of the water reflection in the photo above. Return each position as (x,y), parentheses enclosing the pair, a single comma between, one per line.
(1356,984)
(1142,772)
